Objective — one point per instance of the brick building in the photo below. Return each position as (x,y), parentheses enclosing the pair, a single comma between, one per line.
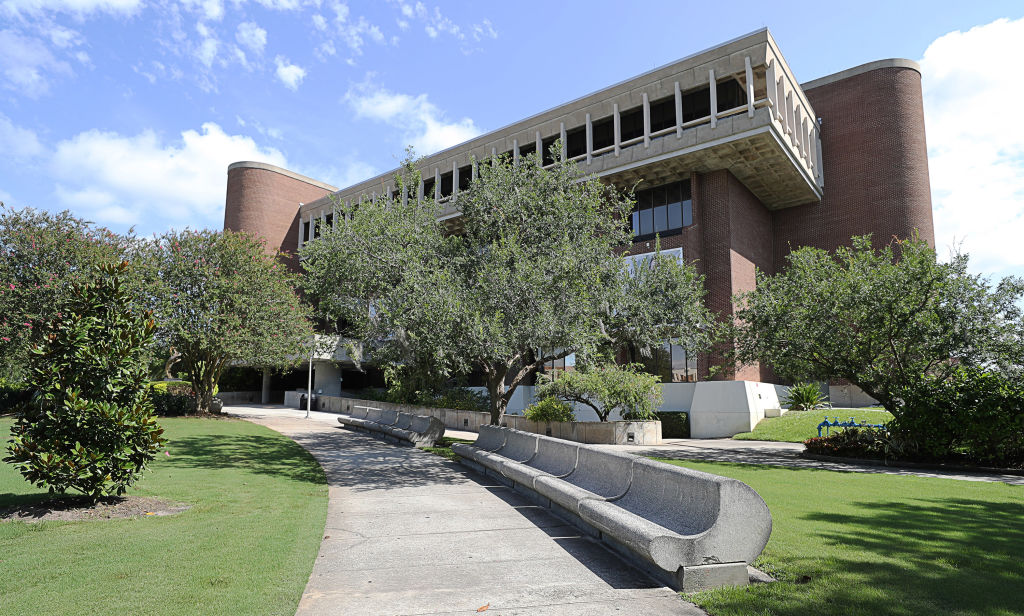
(735,163)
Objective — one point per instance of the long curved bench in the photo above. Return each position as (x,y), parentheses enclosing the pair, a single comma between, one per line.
(402,428)
(690,529)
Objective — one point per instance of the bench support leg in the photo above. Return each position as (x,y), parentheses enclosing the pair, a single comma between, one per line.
(704,577)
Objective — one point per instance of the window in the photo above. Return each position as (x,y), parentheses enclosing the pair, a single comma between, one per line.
(646,259)
(329,221)
(662,209)
(305,231)
(672,363)
(549,157)
(428,188)
(631,123)
(446,185)
(527,149)
(663,113)
(465,177)
(604,132)
(576,142)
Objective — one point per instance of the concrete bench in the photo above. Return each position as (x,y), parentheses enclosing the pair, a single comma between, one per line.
(402,428)
(691,530)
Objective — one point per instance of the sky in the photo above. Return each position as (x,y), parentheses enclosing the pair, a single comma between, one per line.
(129,112)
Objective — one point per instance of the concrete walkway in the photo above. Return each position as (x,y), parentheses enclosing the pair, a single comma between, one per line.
(788,454)
(411,533)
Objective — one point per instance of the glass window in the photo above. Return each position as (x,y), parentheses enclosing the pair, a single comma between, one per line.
(636,223)
(646,221)
(305,231)
(675,215)
(660,219)
(687,213)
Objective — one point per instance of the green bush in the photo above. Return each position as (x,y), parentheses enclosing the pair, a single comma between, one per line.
(851,442)
(170,404)
(12,394)
(89,425)
(976,416)
(674,425)
(804,397)
(549,409)
(607,388)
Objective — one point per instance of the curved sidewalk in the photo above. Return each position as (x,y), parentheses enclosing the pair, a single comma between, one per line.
(772,453)
(411,533)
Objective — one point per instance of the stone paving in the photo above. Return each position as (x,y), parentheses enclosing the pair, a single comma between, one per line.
(411,533)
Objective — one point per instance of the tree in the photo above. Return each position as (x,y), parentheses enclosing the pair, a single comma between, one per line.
(42,257)
(529,276)
(606,389)
(89,425)
(878,321)
(221,300)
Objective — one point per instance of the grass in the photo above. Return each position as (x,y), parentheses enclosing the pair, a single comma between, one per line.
(856,544)
(443,447)
(798,426)
(246,546)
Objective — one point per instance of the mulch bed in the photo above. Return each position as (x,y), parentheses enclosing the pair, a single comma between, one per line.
(75,509)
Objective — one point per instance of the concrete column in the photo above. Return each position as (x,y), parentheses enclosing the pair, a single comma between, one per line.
(713,88)
(473,169)
(789,115)
(771,88)
(265,391)
(804,141)
(539,145)
(515,150)
(419,191)
(750,86)
(647,120)
(437,184)
(799,127)
(455,179)
(617,128)
(590,140)
(563,138)
(817,148)
(679,111)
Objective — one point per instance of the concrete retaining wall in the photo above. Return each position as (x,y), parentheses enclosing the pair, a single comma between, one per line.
(595,432)
(239,397)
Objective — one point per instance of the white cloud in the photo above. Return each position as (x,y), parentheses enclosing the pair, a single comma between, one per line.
(319,22)
(421,123)
(26,65)
(291,75)
(251,36)
(976,152)
(80,7)
(17,142)
(206,51)
(125,180)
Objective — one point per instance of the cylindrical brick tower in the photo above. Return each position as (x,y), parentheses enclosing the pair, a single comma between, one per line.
(265,199)
(874,157)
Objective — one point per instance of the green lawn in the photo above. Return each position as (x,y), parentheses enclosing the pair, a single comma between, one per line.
(246,546)
(443,447)
(798,426)
(850,544)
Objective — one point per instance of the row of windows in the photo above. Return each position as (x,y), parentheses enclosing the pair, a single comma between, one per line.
(696,104)
(671,362)
(663,209)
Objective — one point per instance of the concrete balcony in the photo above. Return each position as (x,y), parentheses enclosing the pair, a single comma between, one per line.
(736,106)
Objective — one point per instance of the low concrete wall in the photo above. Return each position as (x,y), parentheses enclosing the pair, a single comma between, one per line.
(239,397)
(849,396)
(595,432)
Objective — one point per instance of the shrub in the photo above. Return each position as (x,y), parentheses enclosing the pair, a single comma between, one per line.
(804,397)
(12,394)
(674,425)
(851,442)
(974,415)
(168,404)
(89,425)
(549,409)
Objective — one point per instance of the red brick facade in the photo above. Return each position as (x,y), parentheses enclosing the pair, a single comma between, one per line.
(265,200)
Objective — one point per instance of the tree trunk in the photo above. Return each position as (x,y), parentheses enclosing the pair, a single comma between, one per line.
(496,388)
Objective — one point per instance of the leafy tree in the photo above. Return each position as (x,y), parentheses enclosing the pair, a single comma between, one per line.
(606,389)
(530,274)
(878,321)
(42,257)
(89,425)
(221,300)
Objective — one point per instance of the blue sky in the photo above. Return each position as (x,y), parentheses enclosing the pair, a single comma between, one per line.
(128,112)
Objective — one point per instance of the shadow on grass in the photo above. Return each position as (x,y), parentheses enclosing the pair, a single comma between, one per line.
(258,454)
(916,556)
(12,500)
